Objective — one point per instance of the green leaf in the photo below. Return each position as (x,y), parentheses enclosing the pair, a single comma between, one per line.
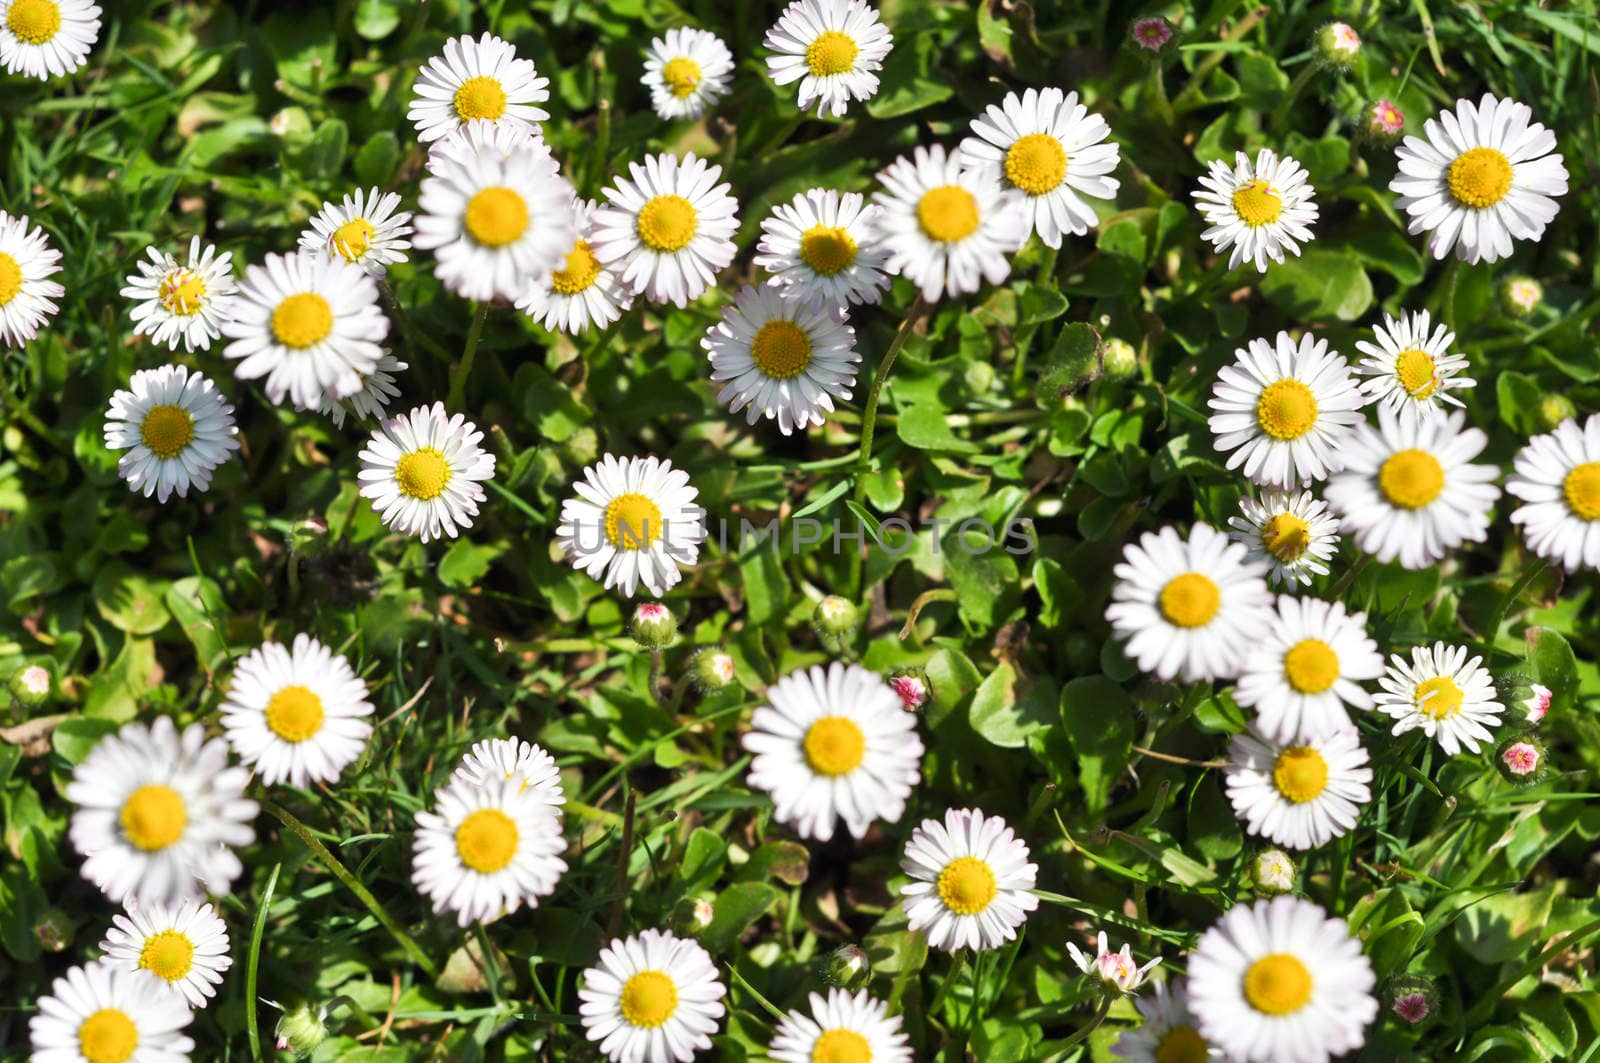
(1006,716)
(199,605)
(1505,926)
(788,862)
(1517,396)
(951,679)
(1098,717)
(704,856)
(466,562)
(375,163)
(76,737)
(926,427)
(905,85)
(375,20)
(1319,284)
(1554,664)
(738,906)
(131,601)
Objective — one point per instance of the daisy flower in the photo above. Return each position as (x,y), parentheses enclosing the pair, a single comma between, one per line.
(1444,695)
(1169,1033)
(176,428)
(1260,210)
(834,745)
(364,229)
(1152,34)
(496,759)
(47,38)
(633,522)
(1117,971)
(944,230)
(1409,369)
(1272,872)
(1484,176)
(832,47)
(184,945)
(1557,476)
(26,298)
(486,850)
(971,883)
(582,294)
(1301,794)
(1293,533)
(1280,982)
(819,248)
(422,471)
(159,814)
(651,998)
(1189,608)
(1408,492)
(1047,146)
(669,230)
(477,80)
(102,1012)
(497,139)
(372,401)
(187,304)
(1306,668)
(686,71)
(843,1027)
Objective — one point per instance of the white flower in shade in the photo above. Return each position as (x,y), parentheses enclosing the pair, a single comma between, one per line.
(1410,369)
(820,248)
(105,1013)
(1306,668)
(182,304)
(833,48)
(486,850)
(1116,971)
(364,229)
(1408,492)
(176,428)
(832,746)
(372,401)
(1293,533)
(1189,609)
(651,998)
(159,814)
(971,882)
(423,472)
(1284,409)
(781,360)
(47,38)
(1169,1033)
(1260,210)
(1557,477)
(496,759)
(667,231)
(633,523)
(1444,695)
(1048,146)
(842,1027)
(1303,793)
(296,715)
(1280,982)
(944,230)
(26,297)
(309,324)
(687,71)
(581,294)
(1486,175)
(477,80)
(184,945)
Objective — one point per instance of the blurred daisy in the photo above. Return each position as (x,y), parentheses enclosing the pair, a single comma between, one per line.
(1557,476)
(1046,145)
(651,998)
(1485,175)
(1169,1032)
(485,851)
(176,428)
(1306,668)
(832,47)
(667,232)
(372,401)
(633,522)
(364,229)
(944,230)
(971,883)
(1410,370)
(497,759)
(819,248)
(842,1027)
(1117,971)
(185,945)
(422,471)
(26,297)
(47,38)
(1260,210)
(159,814)
(1444,695)
(1189,609)
(686,71)
(105,1013)
(1408,492)
(1279,982)
(582,294)
(186,304)
(1301,794)
(1152,34)
(477,80)
(1292,532)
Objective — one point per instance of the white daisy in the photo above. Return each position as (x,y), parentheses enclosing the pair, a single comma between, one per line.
(364,229)
(159,814)
(686,71)
(634,522)
(372,401)
(1444,695)
(422,472)
(1408,492)
(944,230)
(1409,369)
(477,80)
(495,759)
(1485,175)
(1306,668)
(1303,793)
(1117,971)
(26,297)
(176,428)
(842,1027)
(1048,146)
(309,324)
(497,139)
(1284,410)
(971,883)
(651,998)
(1293,533)
(832,47)
(1169,1033)
(186,304)
(47,38)
(834,745)
(582,294)
(1557,475)
(820,248)
(104,1013)
(1189,609)
(669,230)
(1260,210)
(184,945)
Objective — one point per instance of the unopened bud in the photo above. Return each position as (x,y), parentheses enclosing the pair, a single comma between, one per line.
(1411,998)
(1555,408)
(33,685)
(1520,759)
(692,915)
(309,536)
(1382,123)
(301,1030)
(712,668)
(835,617)
(1120,359)
(912,686)
(1537,703)
(1520,296)
(54,930)
(654,626)
(848,967)
(1272,872)
(1337,45)
(1152,35)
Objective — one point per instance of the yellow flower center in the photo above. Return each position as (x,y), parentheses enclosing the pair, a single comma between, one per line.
(1582,490)
(781,349)
(486,840)
(107,1036)
(682,76)
(648,999)
(1257,204)
(35,22)
(1411,479)
(10,278)
(182,292)
(302,320)
(350,240)
(832,53)
(580,270)
(295,713)
(1286,410)
(422,474)
(1036,163)
(480,97)
(1300,774)
(166,430)
(967,885)
(1415,370)
(1480,178)
(667,223)
(947,213)
(1190,600)
(834,746)
(1277,984)
(153,817)
(496,216)
(841,1046)
(827,250)
(1182,1045)
(168,954)
(1286,537)
(1311,666)
(633,521)
(1439,697)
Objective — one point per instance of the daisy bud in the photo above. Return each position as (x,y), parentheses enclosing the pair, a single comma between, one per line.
(1411,998)
(654,626)
(1117,972)
(33,686)
(1520,760)
(309,536)
(1382,123)
(835,618)
(1120,360)
(1272,872)
(1337,45)
(711,669)
(1555,408)
(54,930)
(692,915)
(1520,296)
(1153,36)
(847,967)
(301,1030)
(912,686)
(1537,703)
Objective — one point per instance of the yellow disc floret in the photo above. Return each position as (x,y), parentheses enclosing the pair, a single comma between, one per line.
(423,473)
(168,955)
(487,840)
(302,320)
(1581,489)
(480,97)
(649,999)
(831,53)
(153,817)
(633,521)
(1311,666)
(781,349)
(667,223)
(1411,479)
(34,21)
(1277,984)
(1257,204)
(1480,178)
(828,250)
(295,713)
(1190,600)
(1286,410)
(947,213)
(834,746)
(496,216)
(108,1036)
(1300,774)
(1036,163)
(166,430)
(682,76)
(967,885)
(579,272)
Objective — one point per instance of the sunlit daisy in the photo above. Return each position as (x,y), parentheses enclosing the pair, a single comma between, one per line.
(633,523)
(1302,793)
(372,401)
(667,232)
(106,1013)
(1260,210)
(819,248)
(477,80)
(971,883)
(495,759)
(1169,1033)
(497,139)
(687,71)
(842,1027)
(651,998)
(1557,476)
(182,304)
(176,428)
(423,472)
(833,48)
(1116,971)
(1409,369)
(581,294)
(47,38)
(26,297)
(1292,532)
(484,851)
(1444,695)
(185,945)
(1306,668)
(364,229)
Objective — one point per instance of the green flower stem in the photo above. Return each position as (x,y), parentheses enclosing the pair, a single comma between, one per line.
(939,594)
(1572,941)
(1533,571)
(1301,80)
(251,1020)
(1158,96)
(1089,1027)
(458,380)
(1447,308)
(869,416)
(1349,576)
(743,983)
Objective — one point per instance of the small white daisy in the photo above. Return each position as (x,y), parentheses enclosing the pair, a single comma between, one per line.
(1486,175)
(669,230)
(1557,476)
(486,850)
(971,882)
(364,229)
(26,297)
(422,471)
(633,522)
(1444,695)
(372,401)
(185,946)
(1272,872)
(495,759)
(1294,533)
(477,80)
(176,428)
(47,38)
(820,248)
(1306,668)
(842,1027)
(687,71)
(1169,1033)
(159,814)
(1302,793)
(1409,369)
(1260,210)
(186,304)
(651,998)
(1117,971)
(832,746)
(832,47)
(105,1013)
(1048,146)
(1408,491)
(582,294)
